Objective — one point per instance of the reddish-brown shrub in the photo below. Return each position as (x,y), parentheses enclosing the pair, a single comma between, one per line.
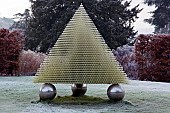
(29,62)
(153,57)
(11,44)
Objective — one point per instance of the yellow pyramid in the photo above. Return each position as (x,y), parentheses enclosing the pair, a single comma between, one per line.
(80,56)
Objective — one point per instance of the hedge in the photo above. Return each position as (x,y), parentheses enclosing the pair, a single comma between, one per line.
(11,44)
(153,57)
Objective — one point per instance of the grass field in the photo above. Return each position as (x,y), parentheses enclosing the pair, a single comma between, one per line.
(19,95)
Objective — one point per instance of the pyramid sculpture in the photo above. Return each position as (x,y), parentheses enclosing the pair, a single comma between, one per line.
(80,56)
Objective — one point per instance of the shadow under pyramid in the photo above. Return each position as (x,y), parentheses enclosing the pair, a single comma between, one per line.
(80,56)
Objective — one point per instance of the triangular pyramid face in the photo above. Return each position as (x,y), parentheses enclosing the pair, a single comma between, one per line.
(80,56)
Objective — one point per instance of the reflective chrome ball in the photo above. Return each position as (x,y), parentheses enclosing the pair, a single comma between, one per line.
(47,92)
(78,89)
(115,92)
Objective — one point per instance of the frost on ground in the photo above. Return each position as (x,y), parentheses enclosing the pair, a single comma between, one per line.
(18,95)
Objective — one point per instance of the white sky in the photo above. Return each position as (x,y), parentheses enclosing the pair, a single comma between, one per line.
(140,25)
(10,7)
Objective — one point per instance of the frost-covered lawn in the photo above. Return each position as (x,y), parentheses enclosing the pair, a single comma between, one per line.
(18,95)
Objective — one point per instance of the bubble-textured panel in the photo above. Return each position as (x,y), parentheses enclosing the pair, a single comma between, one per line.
(80,56)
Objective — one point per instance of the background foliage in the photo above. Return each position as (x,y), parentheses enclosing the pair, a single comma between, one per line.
(153,57)
(125,55)
(11,44)
(22,22)
(29,62)
(161,15)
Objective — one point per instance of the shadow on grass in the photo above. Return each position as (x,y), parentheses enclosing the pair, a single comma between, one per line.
(82,100)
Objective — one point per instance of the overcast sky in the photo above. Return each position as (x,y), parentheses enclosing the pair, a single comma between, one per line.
(142,27)
(10,7)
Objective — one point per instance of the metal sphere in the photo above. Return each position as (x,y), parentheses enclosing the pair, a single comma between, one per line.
(115,92)
(47,91)
(78,89)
